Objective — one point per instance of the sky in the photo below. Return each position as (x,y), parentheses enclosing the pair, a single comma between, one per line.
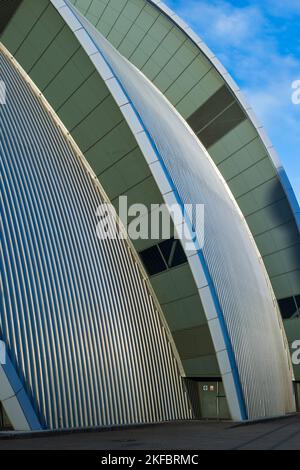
(258,41)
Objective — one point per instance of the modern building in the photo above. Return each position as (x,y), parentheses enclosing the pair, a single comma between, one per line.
(110,98)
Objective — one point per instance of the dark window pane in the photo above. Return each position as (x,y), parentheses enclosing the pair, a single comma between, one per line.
(287,307)
(172,252)
(298,301)
(7,11)
(214,106)
(222,125)
(153,261)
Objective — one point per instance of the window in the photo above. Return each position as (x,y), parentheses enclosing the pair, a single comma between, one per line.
(153,261)
(166,255)
(290,307)
(172,252)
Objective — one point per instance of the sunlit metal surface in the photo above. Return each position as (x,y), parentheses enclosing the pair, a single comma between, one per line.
(260,375)
(77,317)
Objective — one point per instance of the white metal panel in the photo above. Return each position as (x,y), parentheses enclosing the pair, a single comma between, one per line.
(79,321)
(240,283)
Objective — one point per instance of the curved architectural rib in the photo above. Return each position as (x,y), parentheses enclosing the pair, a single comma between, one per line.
(75,309)
(237,322)
(15,401)
(175,59)
(95,92)
(242,100)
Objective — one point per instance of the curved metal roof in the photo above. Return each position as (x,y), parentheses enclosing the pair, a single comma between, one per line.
(180,64)
(80,115)
(242,101)
(74,309)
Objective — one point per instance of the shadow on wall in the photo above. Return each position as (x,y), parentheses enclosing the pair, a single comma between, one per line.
(7,12)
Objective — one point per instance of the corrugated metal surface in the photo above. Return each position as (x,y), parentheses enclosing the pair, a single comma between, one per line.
(77,317)
(249,321)
(179,64)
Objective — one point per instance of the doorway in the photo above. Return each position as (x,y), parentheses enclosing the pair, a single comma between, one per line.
(208,398)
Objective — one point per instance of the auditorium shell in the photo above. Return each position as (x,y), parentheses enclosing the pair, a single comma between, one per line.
(110,98)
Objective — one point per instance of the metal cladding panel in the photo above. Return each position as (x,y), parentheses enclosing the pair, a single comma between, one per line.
(180,64)
(248,323)
(76,314)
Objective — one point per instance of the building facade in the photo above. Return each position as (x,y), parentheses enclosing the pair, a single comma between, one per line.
(115,98)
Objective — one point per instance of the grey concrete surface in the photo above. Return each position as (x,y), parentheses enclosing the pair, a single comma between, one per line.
(196,435)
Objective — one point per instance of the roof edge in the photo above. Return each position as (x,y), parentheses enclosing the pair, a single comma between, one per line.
(197,263)
(250,113)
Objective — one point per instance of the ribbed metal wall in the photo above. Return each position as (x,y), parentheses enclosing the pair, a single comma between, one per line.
(76,314)
(249,319)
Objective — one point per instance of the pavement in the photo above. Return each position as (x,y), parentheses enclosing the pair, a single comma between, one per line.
(281,434)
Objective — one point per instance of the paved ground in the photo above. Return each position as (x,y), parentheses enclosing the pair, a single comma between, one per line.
(196,435)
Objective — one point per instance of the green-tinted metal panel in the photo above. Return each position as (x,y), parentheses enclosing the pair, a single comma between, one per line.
(187,81)
(205,88)
(182,58)
(242,159)
(262,221)
(234,141)
(39,38)
(92,9)
(284,261)
(297,387)
(174,285)
(258,198)
(30,11)
(54,58)
(221,125)
(208,366)
(158,52)
(86,6)
(286,285)
(114,145)
(124,22)
(110,16)
(193,342)
(88,131)
(185,313)
(126,173)
(145,192)
(252,178)
(278,238)
(213,403)
(84,102)
(223,410)
(69,79)
(9,11)
(138,31)
(212,108)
